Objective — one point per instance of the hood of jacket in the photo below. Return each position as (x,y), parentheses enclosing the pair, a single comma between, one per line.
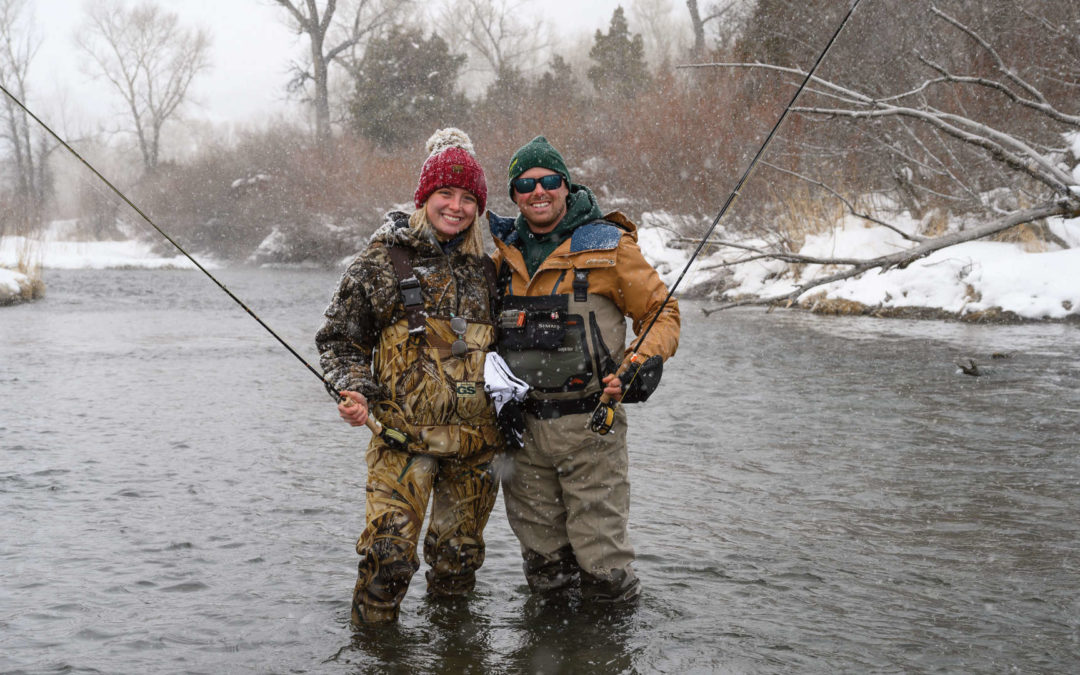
(395,231)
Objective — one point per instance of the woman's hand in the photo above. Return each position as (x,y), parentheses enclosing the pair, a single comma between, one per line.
(353,408)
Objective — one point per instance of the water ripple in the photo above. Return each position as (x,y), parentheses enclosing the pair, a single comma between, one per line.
(810,494)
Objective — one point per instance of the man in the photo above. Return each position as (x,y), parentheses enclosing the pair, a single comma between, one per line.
(568,276)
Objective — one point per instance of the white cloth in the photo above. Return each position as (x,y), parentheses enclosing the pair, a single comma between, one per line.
(500,383)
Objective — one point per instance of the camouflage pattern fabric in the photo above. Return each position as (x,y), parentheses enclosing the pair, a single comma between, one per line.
(434,397)
(399,486)
(418,386)
(368,301)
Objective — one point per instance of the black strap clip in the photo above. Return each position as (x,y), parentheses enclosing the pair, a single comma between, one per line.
(413,298)
(581,285)
(410,292)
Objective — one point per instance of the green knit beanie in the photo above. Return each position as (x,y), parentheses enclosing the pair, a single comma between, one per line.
(537,152)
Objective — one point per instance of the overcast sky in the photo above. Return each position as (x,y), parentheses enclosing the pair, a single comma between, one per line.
(252,50)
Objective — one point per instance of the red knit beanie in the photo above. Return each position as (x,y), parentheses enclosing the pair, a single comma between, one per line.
(451,163)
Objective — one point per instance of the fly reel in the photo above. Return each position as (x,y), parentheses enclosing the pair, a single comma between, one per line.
(603,418)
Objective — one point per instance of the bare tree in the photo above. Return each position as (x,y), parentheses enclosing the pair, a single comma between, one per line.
(494,34)
(1030,167)
(654,20)
(28,149)
(149,58)
(334,33)
(720,12)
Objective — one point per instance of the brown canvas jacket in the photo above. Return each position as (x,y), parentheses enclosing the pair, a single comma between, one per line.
(621,274)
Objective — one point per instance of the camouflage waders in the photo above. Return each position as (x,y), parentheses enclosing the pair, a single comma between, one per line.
(399,486)
(439,401)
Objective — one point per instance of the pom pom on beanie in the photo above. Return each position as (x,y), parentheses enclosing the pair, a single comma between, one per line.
(451,162)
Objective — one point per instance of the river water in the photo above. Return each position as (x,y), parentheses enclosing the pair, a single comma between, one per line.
(810,494)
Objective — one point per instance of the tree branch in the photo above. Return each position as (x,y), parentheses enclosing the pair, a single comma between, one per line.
(1021,157)
(846,203)
(899,259)
(1005,70)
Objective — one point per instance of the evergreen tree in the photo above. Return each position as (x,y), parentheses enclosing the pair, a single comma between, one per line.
(405,87)
(558,82)
(620,60)
(508,91)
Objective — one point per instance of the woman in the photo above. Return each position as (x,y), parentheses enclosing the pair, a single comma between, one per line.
(405,340)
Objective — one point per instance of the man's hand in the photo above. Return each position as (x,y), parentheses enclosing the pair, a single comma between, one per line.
(613,387)
(353,408)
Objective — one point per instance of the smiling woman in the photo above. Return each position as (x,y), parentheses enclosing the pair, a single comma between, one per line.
(406,337)
(450,210)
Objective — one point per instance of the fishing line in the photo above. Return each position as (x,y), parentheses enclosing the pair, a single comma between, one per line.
(604,415)
(392,436)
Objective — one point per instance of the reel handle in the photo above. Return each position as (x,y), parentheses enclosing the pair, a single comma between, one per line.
(603,417)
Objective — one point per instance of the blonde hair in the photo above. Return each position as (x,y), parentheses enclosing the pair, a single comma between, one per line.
(473,244)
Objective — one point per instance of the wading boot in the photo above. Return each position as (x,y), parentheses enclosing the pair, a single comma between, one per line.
(450,585)
(376,598)
(369,611)
(551,574)
(619,587)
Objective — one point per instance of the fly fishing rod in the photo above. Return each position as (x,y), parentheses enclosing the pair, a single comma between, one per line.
(392,437)
(603,416)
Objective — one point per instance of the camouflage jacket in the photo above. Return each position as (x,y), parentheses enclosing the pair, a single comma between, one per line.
(368,300)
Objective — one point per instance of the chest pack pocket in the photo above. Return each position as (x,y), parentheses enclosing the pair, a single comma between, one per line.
(533,322)
(543,343)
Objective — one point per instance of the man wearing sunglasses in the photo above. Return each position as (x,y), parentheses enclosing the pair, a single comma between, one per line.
(568,277)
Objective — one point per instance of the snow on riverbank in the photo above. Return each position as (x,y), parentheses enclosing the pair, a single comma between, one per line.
(55,250)
(14,287)
(967,279)
(974,278)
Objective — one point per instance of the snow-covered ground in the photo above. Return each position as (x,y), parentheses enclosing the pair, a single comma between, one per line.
(963,279)
(970,277)
(57,250)
(9,283)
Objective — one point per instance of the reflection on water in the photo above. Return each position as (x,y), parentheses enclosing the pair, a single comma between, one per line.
(457,637)
(809,494)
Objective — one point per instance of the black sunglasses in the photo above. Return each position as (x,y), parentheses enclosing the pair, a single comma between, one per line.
(526,185)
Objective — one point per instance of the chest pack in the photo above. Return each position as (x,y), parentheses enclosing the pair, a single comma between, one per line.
(562,344)
(412,296)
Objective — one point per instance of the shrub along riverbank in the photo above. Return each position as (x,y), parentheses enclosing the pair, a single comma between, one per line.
(16,287)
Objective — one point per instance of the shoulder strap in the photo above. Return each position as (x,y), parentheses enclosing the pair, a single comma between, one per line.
(409,285)
(503,280)
(491,276)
